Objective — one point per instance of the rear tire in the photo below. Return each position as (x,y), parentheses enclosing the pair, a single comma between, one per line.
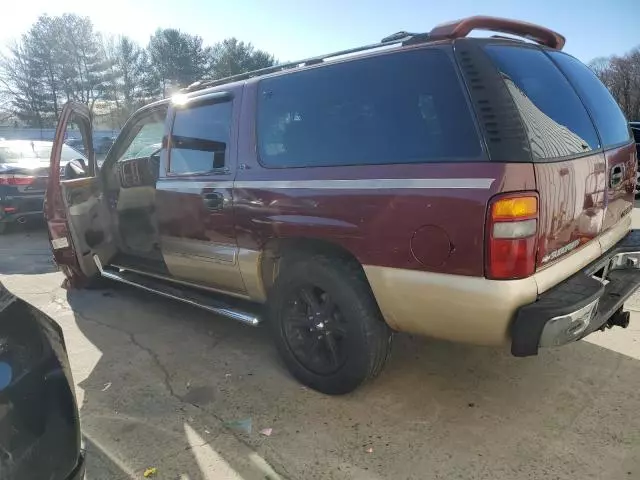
(3,227)
(326,324)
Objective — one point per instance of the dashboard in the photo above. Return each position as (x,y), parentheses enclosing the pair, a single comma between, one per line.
(138,172)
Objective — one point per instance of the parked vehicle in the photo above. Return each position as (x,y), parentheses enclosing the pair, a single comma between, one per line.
(24,168)
(75,143)
(39,423)
(480,194)
(635,129)
(102,145)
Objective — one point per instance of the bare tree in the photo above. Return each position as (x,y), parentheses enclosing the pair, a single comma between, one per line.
(621,75)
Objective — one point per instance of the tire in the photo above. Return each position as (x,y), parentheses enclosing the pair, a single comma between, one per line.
(3,227)
(351,342)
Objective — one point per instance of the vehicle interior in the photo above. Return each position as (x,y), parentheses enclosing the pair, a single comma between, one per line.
(129,176)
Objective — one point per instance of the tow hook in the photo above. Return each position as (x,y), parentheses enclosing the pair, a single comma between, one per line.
(618,319)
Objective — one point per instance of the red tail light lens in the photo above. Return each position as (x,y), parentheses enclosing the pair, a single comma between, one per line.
(16,179)
(512,227)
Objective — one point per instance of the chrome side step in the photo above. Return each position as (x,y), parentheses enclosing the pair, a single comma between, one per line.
(187,295)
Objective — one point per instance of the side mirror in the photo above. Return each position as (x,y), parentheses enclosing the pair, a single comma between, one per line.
(75,169)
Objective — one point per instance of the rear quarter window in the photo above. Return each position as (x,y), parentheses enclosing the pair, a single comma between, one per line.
(404,107)
(556,121)
(606,114)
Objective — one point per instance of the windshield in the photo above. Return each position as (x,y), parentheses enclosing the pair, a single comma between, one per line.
(18,151)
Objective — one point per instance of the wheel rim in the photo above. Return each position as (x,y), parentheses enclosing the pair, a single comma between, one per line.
(315,330)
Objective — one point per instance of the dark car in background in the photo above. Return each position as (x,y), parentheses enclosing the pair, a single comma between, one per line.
(24,168)
(101,145)
(39,424)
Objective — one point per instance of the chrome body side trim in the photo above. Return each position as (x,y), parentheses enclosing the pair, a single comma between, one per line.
(169,184)
(341,184)
(373,184)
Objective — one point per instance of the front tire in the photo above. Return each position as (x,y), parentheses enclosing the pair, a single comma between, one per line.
(326,324)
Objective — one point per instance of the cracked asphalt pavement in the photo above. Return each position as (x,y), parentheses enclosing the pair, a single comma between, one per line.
(160,384)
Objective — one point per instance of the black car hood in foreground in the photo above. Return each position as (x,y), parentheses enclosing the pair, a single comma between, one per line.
(39,425)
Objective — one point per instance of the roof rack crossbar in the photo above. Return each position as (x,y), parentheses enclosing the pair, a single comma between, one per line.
(397,38)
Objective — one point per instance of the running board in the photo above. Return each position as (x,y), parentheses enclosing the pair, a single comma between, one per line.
(185,295)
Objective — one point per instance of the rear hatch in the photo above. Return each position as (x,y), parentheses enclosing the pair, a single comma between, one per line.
(583,156)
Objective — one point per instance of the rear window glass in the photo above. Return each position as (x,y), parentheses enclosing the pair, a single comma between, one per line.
(636,134)
(399,108)
(555,119)
(605,111)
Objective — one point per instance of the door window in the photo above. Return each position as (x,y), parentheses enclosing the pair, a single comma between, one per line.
(200,138)
(148,139)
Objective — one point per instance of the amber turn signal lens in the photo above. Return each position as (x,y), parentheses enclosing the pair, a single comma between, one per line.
(516,207)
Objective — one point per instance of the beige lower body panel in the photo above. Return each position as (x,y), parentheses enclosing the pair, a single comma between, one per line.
(205,263)
(451,307)
(472,309)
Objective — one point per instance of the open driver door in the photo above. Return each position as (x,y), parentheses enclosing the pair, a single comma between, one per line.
(76,210)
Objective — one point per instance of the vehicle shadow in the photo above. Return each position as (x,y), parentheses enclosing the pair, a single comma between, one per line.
(169,381)
(25,249)
(140,403)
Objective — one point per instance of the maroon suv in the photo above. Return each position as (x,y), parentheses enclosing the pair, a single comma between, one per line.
(472,189)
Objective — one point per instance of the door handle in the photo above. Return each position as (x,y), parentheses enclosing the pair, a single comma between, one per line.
(213,201)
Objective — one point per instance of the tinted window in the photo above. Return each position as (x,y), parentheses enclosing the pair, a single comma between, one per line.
(556,121)
(199,138)
(636,134)
(399,108)
(606,113)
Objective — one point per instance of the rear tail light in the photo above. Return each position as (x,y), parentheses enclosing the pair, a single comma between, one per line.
(16,179)
(512,226)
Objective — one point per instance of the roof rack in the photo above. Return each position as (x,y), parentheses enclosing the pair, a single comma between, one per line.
(451,30)
(395,39)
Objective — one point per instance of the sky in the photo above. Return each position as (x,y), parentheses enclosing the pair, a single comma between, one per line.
(296,29)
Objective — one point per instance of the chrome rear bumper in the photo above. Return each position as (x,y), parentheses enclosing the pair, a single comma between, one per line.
(588,301)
